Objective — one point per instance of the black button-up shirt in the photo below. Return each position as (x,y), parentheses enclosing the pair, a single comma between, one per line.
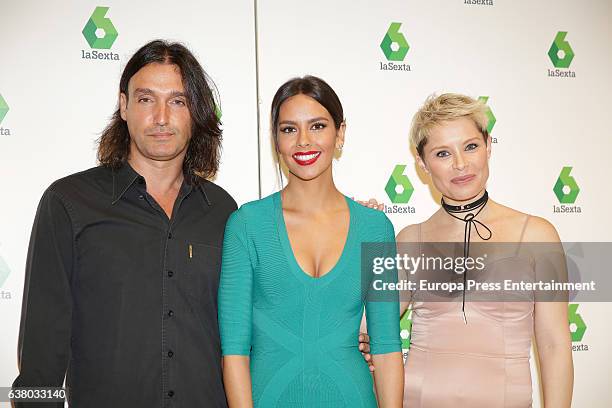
(120,298)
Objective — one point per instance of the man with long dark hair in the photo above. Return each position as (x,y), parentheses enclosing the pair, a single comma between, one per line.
(123,266)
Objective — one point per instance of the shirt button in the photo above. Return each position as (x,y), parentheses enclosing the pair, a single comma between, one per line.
(170,274)
(170,313)
(141,197)
(170,354)
(170,393)
(169,235)
(141,180)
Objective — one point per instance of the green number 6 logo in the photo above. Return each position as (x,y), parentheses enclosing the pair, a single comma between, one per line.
(97,21)
(579,327)
(566,196)
(398,178)
(560,44)
(393,36)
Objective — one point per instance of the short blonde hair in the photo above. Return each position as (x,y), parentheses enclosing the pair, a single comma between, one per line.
(448,106)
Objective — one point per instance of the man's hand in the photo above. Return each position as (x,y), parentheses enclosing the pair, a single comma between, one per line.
(371,203)
(364,347)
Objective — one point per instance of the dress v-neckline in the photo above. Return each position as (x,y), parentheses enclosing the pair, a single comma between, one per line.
(283,236)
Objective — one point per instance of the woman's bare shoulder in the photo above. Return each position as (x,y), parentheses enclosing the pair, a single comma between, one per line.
(410,233)
(540,230)
(537,229)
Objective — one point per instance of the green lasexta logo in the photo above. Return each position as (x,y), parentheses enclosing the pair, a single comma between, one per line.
(577,325)
(393,36)
(4,108)
(490,116)
(566,189)
(4,271)
(399,179)
(96,22)
(218,112)
(560,44)
(405,328)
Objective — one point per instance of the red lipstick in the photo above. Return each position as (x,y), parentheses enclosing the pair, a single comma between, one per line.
(306,158)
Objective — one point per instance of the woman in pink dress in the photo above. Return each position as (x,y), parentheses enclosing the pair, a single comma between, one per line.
(471,353)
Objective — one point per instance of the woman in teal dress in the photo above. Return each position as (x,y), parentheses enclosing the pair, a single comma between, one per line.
(290,296)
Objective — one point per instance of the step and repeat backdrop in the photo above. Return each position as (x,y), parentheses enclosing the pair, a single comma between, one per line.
(541,67)
(59,84)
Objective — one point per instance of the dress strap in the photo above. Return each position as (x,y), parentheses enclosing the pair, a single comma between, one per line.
(420,241)
(520,241)
(524,227)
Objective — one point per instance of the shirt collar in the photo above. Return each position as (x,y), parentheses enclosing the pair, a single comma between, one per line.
(203,191)
(125,176)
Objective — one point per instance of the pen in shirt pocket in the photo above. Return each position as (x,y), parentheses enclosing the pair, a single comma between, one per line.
(190,251)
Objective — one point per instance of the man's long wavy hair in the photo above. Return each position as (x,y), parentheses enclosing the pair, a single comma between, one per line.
(204,150)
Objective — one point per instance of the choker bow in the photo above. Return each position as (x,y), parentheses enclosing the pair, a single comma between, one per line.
(472,209)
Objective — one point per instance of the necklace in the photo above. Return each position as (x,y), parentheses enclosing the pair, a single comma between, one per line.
(471,210)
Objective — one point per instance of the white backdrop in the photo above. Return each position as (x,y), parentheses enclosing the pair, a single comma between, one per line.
(501,51)
(59,102)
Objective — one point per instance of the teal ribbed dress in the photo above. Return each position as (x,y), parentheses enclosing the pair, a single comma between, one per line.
(300,332)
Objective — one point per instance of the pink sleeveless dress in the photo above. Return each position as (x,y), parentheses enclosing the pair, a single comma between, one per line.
(481,363)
